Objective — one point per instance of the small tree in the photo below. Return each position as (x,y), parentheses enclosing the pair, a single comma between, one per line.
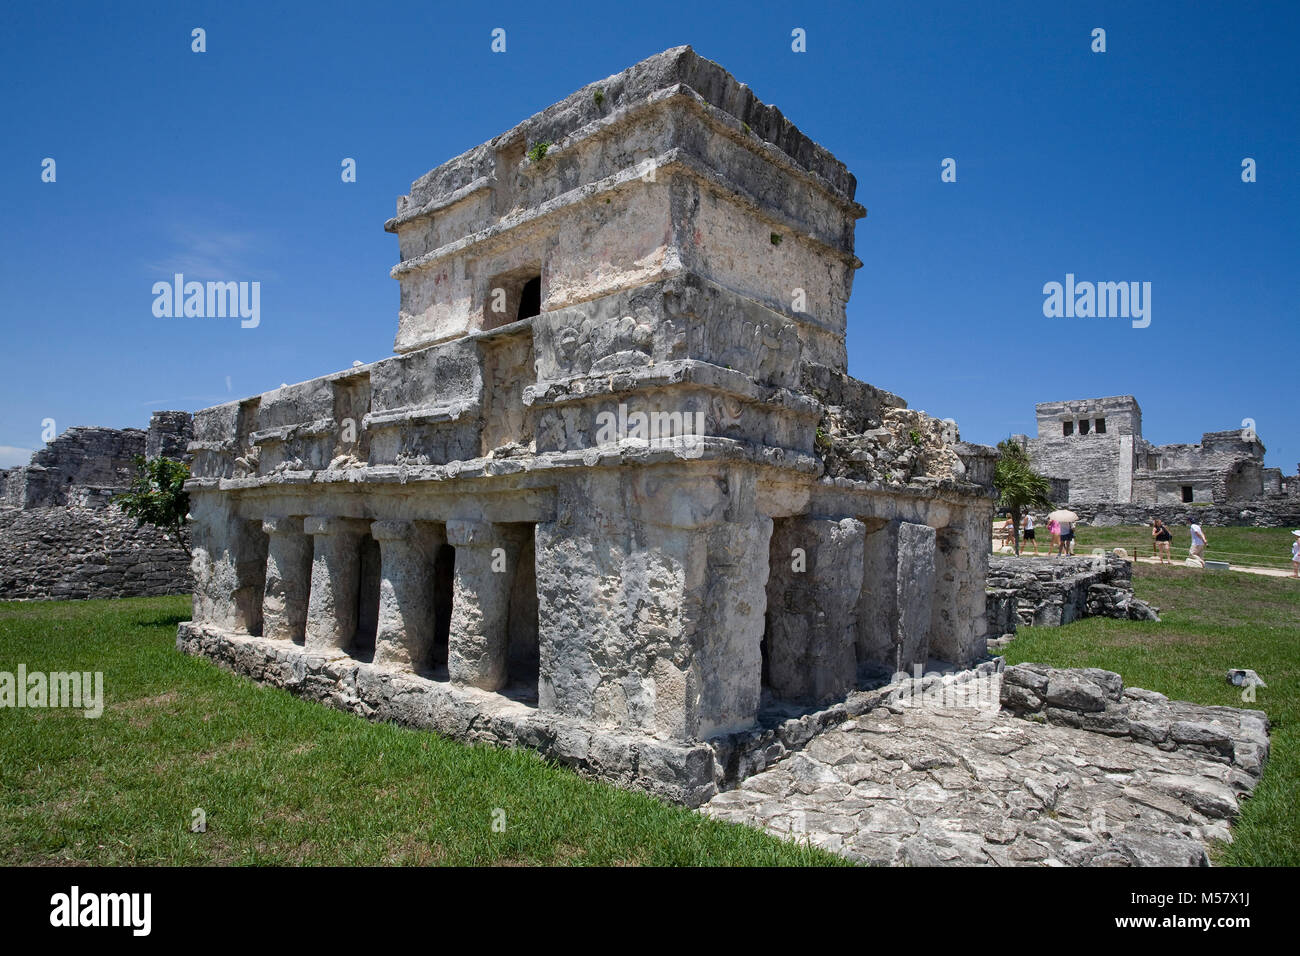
(1019,487)
(157,495)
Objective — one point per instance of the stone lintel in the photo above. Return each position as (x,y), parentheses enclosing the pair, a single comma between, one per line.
(329,525)
(471,533)
(391,530)
(283,524)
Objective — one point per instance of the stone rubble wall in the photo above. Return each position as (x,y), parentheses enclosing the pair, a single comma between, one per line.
(86,466)
(80,458)
(1093,699)
(1049,592)
(1279,512)
(61,536)
(96,552)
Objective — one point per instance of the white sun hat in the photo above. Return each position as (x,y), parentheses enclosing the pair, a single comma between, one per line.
(1296,533)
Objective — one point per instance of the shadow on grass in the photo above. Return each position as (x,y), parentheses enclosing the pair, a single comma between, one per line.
(165,622)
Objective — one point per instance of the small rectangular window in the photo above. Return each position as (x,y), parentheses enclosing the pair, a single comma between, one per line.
(1083,426)
(1101,426)
(1067,429)
(1187,494)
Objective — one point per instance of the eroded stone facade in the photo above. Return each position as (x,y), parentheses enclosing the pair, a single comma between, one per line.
(1094,450)
(616,497)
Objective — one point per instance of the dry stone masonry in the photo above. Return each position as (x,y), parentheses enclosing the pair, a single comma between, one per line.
(1052,591)
(615,497)
(60,535)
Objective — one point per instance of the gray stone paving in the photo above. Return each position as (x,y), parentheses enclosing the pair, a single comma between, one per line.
(915,783)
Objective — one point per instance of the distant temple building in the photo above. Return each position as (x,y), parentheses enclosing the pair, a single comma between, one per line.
(1094,451)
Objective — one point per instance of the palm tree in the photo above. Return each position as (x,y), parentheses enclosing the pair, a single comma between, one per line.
(1019,487)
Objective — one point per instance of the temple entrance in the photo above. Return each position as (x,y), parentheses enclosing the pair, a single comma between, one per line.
(521,627)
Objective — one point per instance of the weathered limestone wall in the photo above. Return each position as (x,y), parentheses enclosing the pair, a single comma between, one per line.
(672,151)
(76,552)
(811,635)
(86,466)
(1225,467)
(1281,512)
(63,538)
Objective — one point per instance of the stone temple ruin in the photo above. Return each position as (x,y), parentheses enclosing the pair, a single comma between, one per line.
(616,497)
(1095,450)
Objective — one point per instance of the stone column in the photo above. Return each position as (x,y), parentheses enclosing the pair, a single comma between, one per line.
(288,579)
(960,618)
(228,561)
(480,605)
(897,607)
(406,607)
(335,578)
(916,578)
(652,590)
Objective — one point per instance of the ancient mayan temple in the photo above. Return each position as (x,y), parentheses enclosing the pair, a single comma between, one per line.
(615,497)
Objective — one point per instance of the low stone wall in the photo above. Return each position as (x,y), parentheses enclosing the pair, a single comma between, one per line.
(681,773)
(88,552)
(1048,592)
(1280,512)
(1096,700)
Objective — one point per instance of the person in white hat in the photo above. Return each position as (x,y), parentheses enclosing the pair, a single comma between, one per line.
(1295,555)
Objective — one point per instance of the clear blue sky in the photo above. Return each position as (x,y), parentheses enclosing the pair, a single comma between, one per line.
(1122,166)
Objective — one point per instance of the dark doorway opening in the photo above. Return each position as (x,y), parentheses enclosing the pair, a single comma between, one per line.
(444,577)
(368,573)
(530,299)
(522,656)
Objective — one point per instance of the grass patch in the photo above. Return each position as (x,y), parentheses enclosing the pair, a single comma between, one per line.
(1209,623)
(287,781)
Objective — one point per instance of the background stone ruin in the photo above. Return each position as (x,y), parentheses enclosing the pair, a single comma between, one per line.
(61,536)
(1094,452)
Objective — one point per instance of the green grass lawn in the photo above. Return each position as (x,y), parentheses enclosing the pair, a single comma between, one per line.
(1209,623)
(287,781)
(1258,547)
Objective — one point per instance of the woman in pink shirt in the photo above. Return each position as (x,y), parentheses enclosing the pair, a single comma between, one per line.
(1054,532)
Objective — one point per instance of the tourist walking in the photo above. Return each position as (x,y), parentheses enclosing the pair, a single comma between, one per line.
(1197,550)
(1053,535)
(1009,534)
(1029,533)
(1295,555)
(1160,538)
(1067,537)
